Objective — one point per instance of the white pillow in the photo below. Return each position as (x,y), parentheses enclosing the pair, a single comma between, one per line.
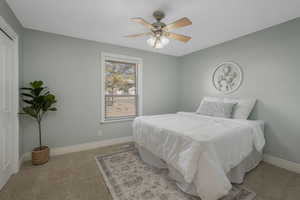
(216,108)
(209,99)
(219,99)
(243,107)
(213,99)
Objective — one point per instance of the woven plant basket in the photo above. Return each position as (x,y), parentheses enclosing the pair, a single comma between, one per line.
(40,156)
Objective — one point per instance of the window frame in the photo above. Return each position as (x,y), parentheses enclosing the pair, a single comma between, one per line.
(121,58)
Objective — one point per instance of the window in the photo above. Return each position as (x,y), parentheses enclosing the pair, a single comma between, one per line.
(121,87)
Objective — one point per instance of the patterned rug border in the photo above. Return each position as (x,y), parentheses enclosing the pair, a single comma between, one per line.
(250,197)
(130,147)
(126,148)
(107,183)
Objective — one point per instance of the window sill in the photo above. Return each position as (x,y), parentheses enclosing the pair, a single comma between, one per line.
(117,120)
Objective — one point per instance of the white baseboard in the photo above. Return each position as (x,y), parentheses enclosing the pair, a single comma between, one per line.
(22,159)
(80,147)
(279,162)
(285,164)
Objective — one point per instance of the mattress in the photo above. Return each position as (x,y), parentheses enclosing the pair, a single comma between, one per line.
(202,149)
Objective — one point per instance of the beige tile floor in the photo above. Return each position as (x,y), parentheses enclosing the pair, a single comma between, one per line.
(76,176)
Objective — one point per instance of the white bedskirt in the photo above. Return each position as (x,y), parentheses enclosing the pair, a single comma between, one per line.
(235,175)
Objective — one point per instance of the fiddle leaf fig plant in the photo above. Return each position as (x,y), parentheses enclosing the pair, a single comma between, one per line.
(38,101)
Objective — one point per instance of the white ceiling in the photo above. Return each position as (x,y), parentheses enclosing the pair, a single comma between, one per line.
(214,21)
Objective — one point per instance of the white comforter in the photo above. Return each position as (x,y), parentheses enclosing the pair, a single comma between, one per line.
(202,148)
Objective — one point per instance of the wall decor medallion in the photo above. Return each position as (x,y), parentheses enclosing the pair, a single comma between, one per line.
(227,77)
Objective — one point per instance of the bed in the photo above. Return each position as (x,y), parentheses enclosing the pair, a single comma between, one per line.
(204,154)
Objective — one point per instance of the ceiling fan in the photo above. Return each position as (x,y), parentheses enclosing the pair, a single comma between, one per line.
(159,31)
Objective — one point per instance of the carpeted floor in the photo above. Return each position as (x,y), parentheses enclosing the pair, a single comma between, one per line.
(76,176)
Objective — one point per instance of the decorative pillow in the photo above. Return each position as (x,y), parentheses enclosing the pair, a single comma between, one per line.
(243,107)
(214,99)
(216,108)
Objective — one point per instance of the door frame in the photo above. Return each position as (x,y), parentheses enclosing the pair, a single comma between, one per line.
(15,85)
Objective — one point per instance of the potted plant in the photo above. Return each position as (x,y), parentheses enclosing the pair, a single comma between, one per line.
(38,102)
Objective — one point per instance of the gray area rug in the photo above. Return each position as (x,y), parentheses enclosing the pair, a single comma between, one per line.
(129,178)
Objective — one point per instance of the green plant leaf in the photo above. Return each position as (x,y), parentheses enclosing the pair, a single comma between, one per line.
(50,97)
(27,95)
(36,84)
(28,101)
(26,88)
(30,111)
(46,106)
(53,109)
(37,91)
(39,99)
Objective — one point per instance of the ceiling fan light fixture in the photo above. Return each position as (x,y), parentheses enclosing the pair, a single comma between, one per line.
(158,42)
(164,40)
(160,32)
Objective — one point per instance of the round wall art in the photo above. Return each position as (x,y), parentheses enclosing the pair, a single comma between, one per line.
(227,77)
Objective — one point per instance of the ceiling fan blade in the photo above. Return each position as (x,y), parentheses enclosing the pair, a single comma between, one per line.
(178,24)
(179,37)
(138,35)
(142,22)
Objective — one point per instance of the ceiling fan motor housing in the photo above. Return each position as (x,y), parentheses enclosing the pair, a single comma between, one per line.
(159,15)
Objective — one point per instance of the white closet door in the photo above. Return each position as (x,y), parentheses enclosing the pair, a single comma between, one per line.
(6,113)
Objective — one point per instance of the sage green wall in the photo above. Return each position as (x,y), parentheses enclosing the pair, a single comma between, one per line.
(270,60)
(71,69)
(11,19)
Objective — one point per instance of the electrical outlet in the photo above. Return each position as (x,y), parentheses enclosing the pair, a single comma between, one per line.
(100,133)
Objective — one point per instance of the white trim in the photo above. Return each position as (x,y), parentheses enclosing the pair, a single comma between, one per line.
(22,159)
(285,164)
(81,147)
(127,119)
(121,58)
(15,108)
(8,29)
